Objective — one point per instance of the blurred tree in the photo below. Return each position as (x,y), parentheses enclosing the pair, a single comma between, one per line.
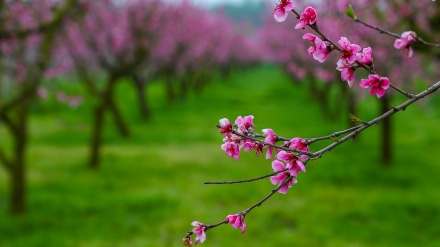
(151,39)
(27,34)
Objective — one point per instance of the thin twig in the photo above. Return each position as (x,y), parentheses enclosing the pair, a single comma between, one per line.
(334,135)
(272,192)
(246,211)
(380,30)
(316,29)
(375,121)
(269,144)
(247,180)
(395,35)
(336,47)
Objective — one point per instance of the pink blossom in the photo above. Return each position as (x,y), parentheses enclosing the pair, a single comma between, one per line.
(347,72)
(244,124)
(225,126)
(231,148)
(308,17)
(405,41)
(280,178)
(199,231)
(377,84)
(299,144)
(294,164)
(271,138)
(248,145)
(365,57)
(280,12)
(348,50)
(237,221)
(320,50)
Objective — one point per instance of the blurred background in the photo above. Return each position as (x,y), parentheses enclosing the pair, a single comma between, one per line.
(108,114)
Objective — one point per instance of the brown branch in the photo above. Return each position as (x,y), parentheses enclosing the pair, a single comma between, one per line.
(334,135)
(269,144)
(375,121)
(380,30)
(58,16)
(336,47)
(9,123)
(272,192)
(246,211)
(316,29)
(247,180)
(43,59)
(395,35)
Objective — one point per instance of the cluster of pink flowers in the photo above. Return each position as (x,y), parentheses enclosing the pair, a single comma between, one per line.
(352,55)
(236,220)
(241,137)
(234,142)
(287,164)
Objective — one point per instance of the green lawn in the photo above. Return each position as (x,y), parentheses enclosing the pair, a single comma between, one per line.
(150,187)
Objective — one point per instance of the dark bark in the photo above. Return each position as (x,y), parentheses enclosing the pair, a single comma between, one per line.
(169,89)
(141,90)
(107,103)
(184,87)
(95,147)
(200,80)
(121,126)
(14,113)
(18,186)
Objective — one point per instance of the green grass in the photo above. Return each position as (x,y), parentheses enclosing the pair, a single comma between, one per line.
(150,187)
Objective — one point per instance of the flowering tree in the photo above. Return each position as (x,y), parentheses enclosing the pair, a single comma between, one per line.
(151,39)
(97,44)
(291,155)
(26,38)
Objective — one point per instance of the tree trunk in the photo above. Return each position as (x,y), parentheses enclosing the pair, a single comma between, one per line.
(386,140)
(144,107)
(96,137)
(169,89)
(107,104)
(18,188)
(121,126)
(18,167)
(184,87)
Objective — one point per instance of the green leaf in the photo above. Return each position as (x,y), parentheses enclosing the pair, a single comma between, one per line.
(350,12)
(355,119)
